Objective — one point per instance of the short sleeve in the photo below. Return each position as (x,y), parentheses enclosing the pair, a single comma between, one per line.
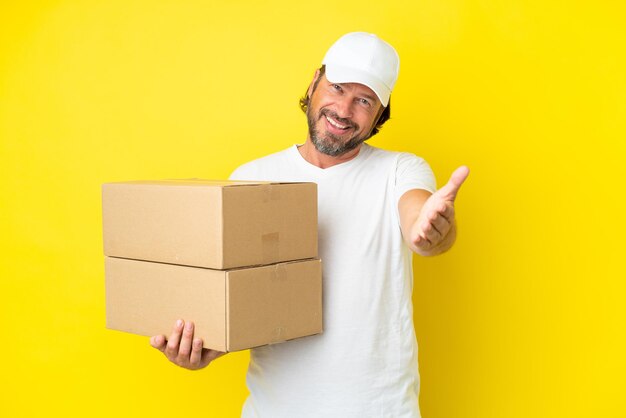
(246,172)
(236,175)
(413,172)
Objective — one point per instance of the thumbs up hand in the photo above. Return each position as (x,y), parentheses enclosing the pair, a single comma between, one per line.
(434,230)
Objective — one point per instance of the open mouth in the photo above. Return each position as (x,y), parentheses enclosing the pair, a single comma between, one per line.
(333,123)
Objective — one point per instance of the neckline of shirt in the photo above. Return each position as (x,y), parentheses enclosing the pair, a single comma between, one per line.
(363,152)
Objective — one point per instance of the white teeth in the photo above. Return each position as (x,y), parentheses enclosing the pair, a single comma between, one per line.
(335,124)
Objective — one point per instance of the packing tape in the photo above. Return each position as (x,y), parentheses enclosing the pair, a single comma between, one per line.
(275,192)
(270,192)
(279,272)
(266,192)
(278,335)
(270,247)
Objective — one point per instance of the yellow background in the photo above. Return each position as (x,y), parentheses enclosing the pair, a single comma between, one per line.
(523,318)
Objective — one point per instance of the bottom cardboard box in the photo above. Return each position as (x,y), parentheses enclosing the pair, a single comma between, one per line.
(232,309)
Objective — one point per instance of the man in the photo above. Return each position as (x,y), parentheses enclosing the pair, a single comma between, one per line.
(375,207)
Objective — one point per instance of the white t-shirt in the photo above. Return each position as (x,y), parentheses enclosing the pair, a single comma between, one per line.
(364,364)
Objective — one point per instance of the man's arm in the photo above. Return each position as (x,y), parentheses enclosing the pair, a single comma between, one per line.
(427,219)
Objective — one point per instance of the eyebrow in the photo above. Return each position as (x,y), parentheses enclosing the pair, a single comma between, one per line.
(366,95)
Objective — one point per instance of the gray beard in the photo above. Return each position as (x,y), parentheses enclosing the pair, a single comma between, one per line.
(331,144)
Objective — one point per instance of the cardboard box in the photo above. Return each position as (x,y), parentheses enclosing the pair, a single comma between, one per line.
(213,224)
(232,309)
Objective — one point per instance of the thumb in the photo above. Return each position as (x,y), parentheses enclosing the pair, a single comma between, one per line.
(457,178)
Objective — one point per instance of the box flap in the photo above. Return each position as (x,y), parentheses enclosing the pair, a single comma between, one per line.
(199,182)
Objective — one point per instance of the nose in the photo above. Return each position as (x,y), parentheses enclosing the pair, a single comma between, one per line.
(344,107)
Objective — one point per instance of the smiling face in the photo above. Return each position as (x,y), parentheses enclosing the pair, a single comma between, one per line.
(341,116)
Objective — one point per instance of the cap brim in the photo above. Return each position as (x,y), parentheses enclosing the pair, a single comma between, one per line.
(338,74)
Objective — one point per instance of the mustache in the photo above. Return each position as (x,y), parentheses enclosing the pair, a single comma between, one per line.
(343,121)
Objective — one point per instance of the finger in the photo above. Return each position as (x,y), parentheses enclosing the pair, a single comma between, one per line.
(433,209)
(445,209)
(450,190)
(437,207)
(422,243)
(196,352)
(441,224)
(184,348)
(210,355)
(459,176)
(171,350)
(158,342)
(430,233)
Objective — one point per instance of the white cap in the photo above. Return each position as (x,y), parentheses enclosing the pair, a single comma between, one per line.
(363,58)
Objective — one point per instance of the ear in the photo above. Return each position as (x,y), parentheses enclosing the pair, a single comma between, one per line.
(315,77)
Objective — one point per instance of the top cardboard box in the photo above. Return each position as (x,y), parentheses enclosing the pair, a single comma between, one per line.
(212,224)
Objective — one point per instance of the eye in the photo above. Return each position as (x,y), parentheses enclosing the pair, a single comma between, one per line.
(336,87)
(364,102)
